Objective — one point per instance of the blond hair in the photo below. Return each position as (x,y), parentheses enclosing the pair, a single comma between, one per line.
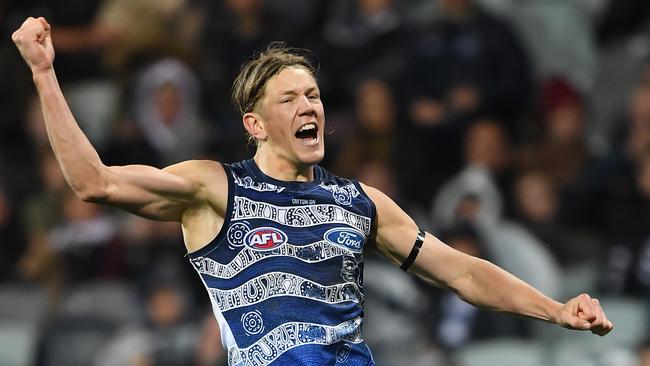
(250,84)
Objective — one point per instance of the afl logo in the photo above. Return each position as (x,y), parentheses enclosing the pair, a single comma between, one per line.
(345,237)
(265,238)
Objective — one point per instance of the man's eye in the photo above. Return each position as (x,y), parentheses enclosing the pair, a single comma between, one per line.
(314,96)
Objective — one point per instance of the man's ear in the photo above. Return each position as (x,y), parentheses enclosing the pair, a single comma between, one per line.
(254,125)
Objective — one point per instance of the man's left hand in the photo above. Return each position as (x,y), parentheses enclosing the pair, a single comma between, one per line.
(584,313)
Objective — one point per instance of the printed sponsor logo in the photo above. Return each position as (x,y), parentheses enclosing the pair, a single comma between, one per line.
(265,238)
(345,237)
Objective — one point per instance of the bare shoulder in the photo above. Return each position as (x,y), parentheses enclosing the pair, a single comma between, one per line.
(204,173)
(208,175)
(198,170)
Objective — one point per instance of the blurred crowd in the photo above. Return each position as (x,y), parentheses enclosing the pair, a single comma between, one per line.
(515,130)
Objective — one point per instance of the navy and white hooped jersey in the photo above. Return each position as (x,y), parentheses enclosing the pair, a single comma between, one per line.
(285,273)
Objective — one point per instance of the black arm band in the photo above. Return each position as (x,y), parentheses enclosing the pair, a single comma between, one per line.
(414,252)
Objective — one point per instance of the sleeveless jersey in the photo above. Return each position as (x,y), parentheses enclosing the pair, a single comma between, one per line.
(285,273)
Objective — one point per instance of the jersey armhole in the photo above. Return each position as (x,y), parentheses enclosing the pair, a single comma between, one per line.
(226,220)
(373,208)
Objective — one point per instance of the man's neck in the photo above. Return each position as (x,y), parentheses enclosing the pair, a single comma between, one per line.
(282,169)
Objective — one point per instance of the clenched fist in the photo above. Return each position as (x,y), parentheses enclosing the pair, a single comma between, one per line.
(584,313)
(34,42)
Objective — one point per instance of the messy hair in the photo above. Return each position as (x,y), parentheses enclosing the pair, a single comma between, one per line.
(250,84)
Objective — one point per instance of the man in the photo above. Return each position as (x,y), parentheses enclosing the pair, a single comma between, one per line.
(276,239)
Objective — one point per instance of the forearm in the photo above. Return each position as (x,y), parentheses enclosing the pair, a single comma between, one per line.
(488,286)
(80,163)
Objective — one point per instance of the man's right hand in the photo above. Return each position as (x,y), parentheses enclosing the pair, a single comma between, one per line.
(34,42)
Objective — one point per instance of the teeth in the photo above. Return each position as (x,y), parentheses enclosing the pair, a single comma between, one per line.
(307,127)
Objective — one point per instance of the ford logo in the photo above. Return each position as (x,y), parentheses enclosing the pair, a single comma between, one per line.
(345,237)
(265,238)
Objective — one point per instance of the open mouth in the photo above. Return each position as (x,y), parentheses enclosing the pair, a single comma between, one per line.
(308,133)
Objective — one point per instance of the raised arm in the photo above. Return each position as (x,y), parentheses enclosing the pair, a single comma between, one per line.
(475,280)
(147,191)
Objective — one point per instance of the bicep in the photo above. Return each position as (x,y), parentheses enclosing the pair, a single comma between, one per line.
(159,194)
(395,236)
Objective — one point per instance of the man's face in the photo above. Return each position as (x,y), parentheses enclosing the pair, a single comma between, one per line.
(293,117)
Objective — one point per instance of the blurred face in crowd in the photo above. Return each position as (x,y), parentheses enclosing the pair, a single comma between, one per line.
(536,198)
(485,146)
(468,209)
(292,119)
(375,106)
(76,210)
(565,123)
(371,7)
(244,7)
(639,113)
(639,109)
(643,174)
(51,175)
(456,7)
(166,307)
(378,174)
(168,103)
(465,244)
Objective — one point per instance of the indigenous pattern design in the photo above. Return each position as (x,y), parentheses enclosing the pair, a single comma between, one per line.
(285,273)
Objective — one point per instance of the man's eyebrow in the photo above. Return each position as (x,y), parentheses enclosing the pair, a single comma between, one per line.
(296,92)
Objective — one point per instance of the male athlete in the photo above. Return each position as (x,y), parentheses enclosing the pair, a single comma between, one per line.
(277,240)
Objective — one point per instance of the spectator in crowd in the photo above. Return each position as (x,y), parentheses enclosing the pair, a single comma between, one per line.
(207,354)
(148,30)
(82,40)
(474,196)
(166,337)
(638,122)
(627,269)
(69,241)
(41,212)
(622,19)
(464,64)
(372,137)
(166,106)
(618,184)
(128,144)
(561,153)
(369,33)
(91,93)
(456,323)
(537,203)
(232,31)
(465,61)
(487,158)
(83,238)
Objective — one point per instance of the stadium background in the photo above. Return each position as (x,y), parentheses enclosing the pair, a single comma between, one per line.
(516,130)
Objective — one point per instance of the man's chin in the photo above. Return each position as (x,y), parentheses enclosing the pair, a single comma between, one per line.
(312,158)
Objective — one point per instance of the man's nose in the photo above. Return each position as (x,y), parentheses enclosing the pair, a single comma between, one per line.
(304,106)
